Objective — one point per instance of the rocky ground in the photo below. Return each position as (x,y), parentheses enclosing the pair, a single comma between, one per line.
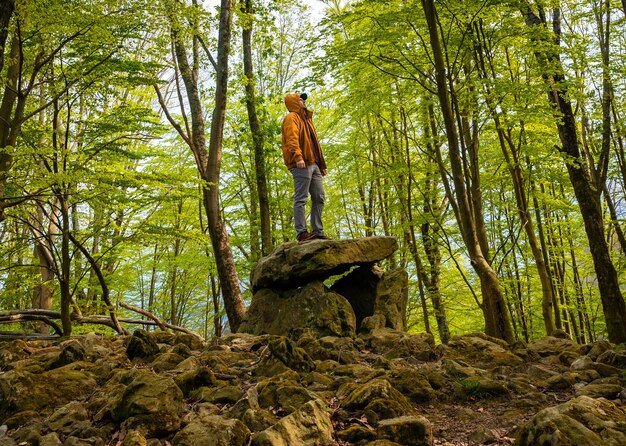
(383,387)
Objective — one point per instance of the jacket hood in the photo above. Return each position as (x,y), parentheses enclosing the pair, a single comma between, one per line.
(292,102)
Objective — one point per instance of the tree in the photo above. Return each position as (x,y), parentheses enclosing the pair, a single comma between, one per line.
(588,193)
(493,306)
(208,160)
(258,137)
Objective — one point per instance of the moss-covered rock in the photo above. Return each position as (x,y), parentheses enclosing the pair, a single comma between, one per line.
(166,361)
(483,387)
(553,346)
(357,434)
(212,430)
(150,403)
(291,355)
(308,426)
(193,379)
(142,345)
(294,264)
(408,431)
(312,306)
(42,392)
(71,351)
(582,421)
(376,397)
(481,351)
(395,343)
(411,383)
(287,396)
(63,420)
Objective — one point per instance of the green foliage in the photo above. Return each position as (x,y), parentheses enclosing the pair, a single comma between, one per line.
(94,139)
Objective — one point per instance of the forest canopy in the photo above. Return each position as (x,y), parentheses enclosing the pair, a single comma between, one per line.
(140,160)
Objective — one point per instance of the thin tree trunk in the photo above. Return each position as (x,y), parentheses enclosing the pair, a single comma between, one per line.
(494,308)
(209,162)
(42,297)
(6,12)
(587,193)
(258,138)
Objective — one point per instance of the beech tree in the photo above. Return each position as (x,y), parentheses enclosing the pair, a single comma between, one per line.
(208,159)
(588,190)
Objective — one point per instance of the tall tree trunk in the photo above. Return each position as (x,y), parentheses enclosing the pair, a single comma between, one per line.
(229,281)
(8,133)
(511,155)
(258,138)
(6,12)
(494,308)
(587,194)
(42,296)
(209,161)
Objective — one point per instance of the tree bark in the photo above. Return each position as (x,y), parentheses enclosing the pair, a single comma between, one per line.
(587,194)
(511,155)
(209,161)
(6,12)
(258,138)
(494,308)
(42,297)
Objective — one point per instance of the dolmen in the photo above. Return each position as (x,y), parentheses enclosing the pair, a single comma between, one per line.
(332,287)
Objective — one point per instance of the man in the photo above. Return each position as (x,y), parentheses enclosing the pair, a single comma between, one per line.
(304,158)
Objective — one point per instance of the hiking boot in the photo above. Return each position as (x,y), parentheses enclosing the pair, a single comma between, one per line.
(304,236)
(319,237)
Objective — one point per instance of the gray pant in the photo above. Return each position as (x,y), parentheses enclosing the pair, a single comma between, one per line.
(308,181)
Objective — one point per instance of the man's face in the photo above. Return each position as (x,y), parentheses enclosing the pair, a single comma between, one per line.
(302,103)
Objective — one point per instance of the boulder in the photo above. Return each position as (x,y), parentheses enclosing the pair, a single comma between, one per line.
(609,391)
(294,264)
(134,438)
(212,430)
(51,439)
(582,421)
(193,379)
(286,396)
(394,343)
(412,384)
(612,358)
(391,298)
(312,306)
(552,346)
(150,403)
(63,420)
(408,431)
(291,355)
(482,351)
(42,392)
(141,345)
(376,400)
(71,351)
(308,426)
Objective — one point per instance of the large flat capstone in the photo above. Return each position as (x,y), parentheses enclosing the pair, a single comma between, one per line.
(294,264)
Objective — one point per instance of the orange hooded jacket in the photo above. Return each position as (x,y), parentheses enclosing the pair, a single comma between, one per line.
(298,132)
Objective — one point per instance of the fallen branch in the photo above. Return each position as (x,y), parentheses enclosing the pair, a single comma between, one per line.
(46,316)
(146,314)
(10,318)
(159,322)
(13,335)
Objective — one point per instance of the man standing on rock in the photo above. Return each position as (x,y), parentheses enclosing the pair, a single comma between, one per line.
(304,158)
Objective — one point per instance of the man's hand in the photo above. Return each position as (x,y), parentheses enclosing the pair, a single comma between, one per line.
(301,164)
(323,172)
